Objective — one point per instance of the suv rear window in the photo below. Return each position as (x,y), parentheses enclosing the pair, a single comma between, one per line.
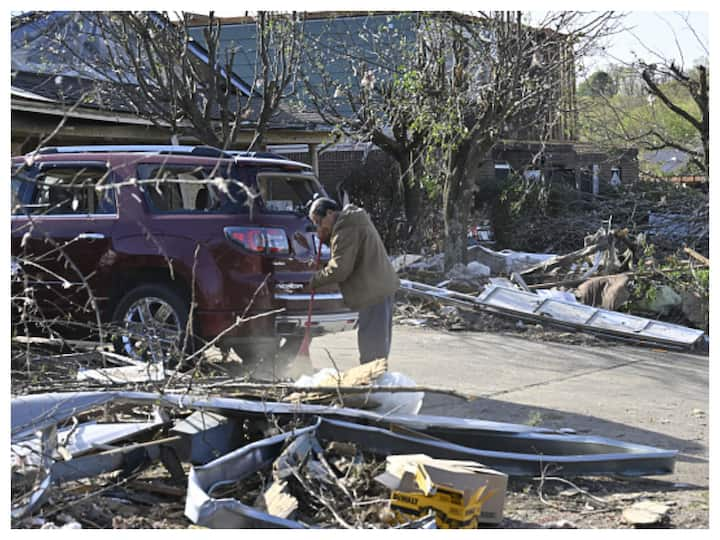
(62,190)
(284,192)
(188,189)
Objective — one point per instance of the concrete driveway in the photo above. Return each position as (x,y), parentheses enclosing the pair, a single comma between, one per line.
(637,394)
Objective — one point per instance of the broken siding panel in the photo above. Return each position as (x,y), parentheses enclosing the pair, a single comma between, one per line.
(531,306)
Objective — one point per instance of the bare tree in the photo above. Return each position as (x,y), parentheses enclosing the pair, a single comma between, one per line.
(498,78)
(149,62)
(364,81)
(661,103)
(696,84)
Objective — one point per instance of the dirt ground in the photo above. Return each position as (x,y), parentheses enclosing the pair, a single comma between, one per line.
(589,503)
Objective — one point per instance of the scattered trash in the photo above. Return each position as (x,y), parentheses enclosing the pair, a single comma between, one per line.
(607,292)
(560,524)
(405,403)
(506,261)
(556,294)
(400,262)
(271,464)
(664,299)
(362,375)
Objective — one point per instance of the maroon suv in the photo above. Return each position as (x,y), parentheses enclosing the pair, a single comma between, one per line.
(137,241)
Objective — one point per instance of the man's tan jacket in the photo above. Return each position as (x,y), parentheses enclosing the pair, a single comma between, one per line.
(359,262)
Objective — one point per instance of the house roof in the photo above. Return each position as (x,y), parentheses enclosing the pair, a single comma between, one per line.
(377,37)
(42,70)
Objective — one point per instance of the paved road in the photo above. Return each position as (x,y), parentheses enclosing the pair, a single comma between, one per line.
(637,394)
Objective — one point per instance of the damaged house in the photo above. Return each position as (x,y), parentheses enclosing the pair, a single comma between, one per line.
(58,97)
(66,90)
(347,40)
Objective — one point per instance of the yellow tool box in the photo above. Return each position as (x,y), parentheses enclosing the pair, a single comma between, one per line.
(456,491)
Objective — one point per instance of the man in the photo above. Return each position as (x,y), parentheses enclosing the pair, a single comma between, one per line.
(360,265)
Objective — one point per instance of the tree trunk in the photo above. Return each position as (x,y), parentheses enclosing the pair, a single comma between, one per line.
(455,210)
(410,191)
(458,197)
(412,197)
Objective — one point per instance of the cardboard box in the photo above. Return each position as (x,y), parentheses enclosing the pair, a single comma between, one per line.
(460,492)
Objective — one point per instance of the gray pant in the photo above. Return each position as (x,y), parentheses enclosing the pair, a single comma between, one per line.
(375,330)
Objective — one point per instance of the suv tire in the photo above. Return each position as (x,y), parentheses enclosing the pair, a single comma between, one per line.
(154,309)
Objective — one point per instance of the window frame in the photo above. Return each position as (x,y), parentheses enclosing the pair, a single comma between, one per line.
(146,188)
(284,174)
(30,186)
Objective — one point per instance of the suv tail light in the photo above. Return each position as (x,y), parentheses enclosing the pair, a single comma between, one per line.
(259,240)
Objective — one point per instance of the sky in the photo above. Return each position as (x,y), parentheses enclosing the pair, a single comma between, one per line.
(682,36)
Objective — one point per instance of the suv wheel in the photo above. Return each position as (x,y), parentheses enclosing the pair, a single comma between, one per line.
(152,320)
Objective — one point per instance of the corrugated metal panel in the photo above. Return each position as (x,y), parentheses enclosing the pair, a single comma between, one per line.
(531,306)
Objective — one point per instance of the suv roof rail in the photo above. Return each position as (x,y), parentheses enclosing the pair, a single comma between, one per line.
(265,155)
(205,151)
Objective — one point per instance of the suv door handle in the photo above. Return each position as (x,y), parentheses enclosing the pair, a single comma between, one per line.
(91,236)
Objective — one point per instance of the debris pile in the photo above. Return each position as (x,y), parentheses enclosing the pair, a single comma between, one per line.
(668,214)
(331,487)
(614,270)
(132,459)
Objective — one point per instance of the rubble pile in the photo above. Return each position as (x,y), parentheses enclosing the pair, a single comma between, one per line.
(670,215)
(614,270)
(134,460)
(327,487)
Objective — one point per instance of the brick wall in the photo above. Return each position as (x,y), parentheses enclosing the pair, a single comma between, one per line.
(336,167)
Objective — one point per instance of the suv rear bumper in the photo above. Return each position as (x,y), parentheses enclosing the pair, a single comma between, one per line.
(286,325)
(213,323)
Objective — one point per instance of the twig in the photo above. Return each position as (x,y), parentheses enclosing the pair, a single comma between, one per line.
(320,498)
(339,377)
(543,478)
(694,254)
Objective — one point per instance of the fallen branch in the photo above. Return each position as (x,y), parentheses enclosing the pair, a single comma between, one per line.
(378,389)
(230,385)
(697,256)
(559,260)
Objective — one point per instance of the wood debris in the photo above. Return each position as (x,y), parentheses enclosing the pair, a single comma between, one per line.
(362,375)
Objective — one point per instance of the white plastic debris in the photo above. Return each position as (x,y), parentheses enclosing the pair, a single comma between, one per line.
(477,269)
(385,402)
(397,402)
(557,294)
(307,381)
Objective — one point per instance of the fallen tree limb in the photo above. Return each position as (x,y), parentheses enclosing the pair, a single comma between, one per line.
(697,256)
(230,386)
(559,260)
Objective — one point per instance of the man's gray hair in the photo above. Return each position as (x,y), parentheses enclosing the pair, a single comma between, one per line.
(321,205)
